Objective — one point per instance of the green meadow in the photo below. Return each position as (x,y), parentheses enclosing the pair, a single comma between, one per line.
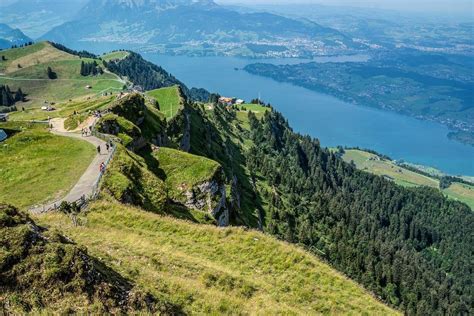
(37,166)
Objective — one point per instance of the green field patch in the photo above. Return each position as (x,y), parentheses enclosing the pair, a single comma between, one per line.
(461,192)
(382,167)
(36,166)
(169,99)
(255,108)
(118,55)
(372,163)
(14,54)
(66,109)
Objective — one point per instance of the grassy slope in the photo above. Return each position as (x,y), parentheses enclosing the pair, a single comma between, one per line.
(118,55)
(65,109)
(32,77)
(370,163)
(211,270)
(169,99)
(36,166)
(461,192)
(184,170)
(44,273)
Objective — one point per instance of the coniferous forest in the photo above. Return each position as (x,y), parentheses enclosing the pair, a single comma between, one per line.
(8,98)
(150,76)
(410,246)
(92,68)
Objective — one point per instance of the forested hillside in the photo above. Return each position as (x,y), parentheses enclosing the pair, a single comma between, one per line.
(412,247)
(150,76)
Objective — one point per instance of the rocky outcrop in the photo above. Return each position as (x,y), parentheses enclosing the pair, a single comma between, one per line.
(185,144)
(210,196)
(160,139)
(235,194)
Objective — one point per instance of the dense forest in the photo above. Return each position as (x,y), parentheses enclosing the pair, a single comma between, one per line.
(82,54)
(92,68)
(150,76)
(412,247)
(8,98)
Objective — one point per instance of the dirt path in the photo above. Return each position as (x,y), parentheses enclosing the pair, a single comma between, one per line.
(86,184)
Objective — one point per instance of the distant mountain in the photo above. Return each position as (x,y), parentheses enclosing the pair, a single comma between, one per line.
(36,17)
(10,37)
(184,25)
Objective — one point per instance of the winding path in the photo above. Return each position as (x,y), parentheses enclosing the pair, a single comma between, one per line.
(86,184)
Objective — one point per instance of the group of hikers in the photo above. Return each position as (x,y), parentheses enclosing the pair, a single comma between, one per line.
(86,131)
(102,167)
(108,147)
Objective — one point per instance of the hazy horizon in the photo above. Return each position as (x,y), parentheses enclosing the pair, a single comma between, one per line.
(427,6)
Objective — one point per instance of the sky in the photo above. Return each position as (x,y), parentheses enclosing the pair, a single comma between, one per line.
(435,6)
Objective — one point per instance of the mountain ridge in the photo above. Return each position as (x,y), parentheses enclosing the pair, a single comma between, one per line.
(194,24)
(12,37)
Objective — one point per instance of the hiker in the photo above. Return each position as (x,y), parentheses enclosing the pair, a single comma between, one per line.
(102,167)
(98,149)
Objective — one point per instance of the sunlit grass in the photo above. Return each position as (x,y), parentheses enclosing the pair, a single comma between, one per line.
(211,270)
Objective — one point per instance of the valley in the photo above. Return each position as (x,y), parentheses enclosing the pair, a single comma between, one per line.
(133,223)
(197,157)
(331,120)
(388,84)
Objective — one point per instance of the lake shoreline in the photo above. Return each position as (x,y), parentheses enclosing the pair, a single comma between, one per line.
(326,117)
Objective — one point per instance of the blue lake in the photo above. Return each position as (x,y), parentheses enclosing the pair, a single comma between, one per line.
(333,121)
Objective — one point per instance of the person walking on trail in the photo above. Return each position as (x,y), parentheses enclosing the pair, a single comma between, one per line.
(98,149)
(107,146)
(102,167)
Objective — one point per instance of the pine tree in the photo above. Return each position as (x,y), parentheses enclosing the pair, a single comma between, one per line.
(19,95)
(51,74)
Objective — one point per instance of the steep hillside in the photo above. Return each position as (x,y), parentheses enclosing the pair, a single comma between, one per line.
(214,271)
(289,186)
(42,271)
(149,76)
(169,100)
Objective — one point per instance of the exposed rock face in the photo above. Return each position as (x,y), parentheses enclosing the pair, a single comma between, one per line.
(210,196)
(185,144)
(161,140)
(235,193)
